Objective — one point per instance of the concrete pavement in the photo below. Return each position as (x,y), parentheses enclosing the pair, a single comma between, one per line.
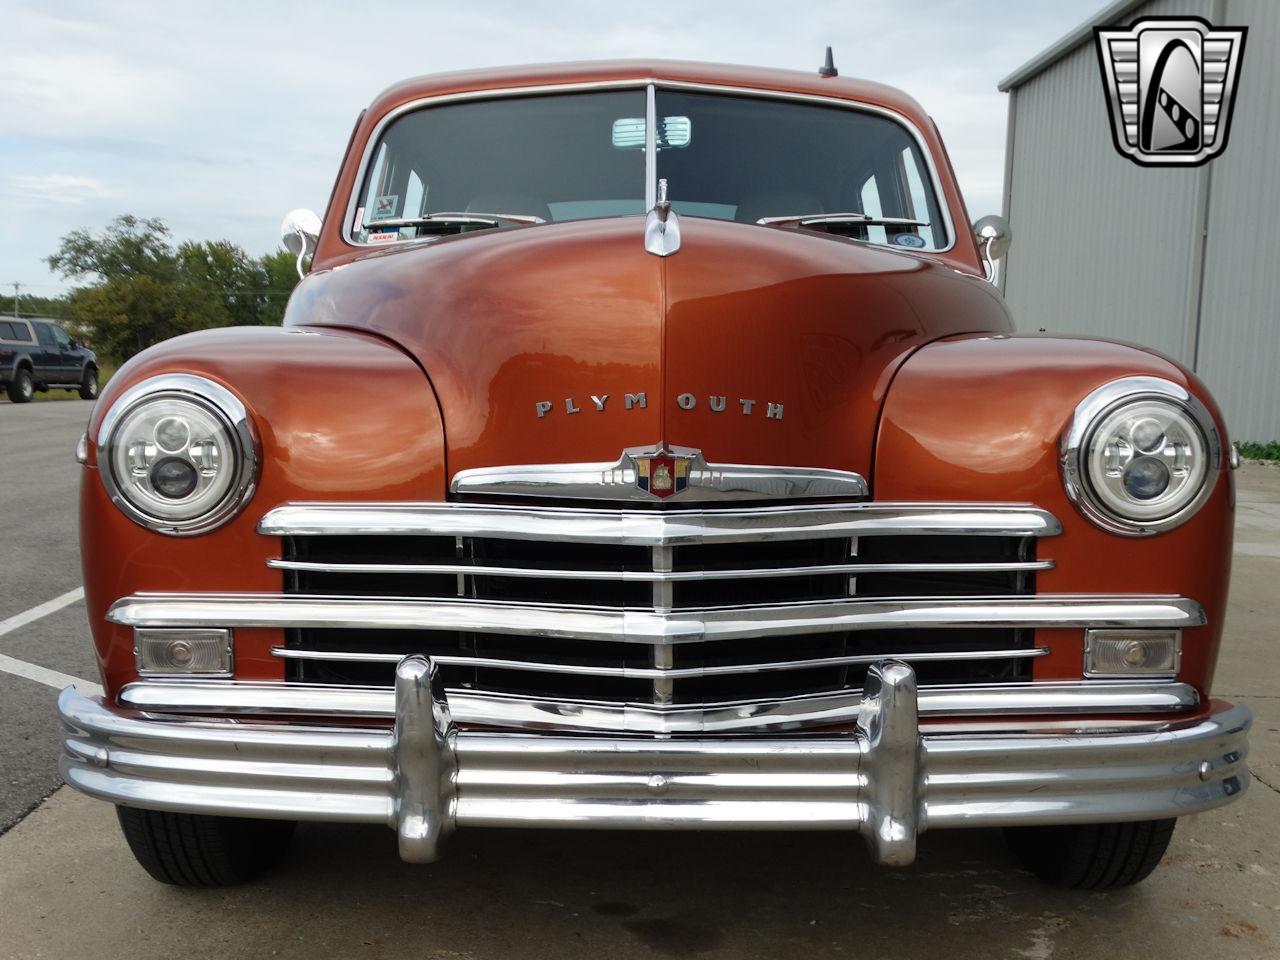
(40,560)
(69,887)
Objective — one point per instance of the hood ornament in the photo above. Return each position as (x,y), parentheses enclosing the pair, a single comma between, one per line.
(662,226)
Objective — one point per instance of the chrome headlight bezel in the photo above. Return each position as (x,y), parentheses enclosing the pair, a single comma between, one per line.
(1078,441)
(213,400)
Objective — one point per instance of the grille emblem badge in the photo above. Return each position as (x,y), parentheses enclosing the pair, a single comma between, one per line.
(662,472)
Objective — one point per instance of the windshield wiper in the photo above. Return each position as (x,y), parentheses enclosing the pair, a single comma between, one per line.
(446,219)
(854,219)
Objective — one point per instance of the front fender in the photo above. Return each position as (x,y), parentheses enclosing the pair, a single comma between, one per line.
(340,416)
(980,419)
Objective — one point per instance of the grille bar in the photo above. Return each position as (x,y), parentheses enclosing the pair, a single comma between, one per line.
(650,626)
(658,673)
(654,529)
(674,606)
(657,576)
(1066,698)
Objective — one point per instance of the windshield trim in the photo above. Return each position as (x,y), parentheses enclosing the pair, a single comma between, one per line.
(650,85)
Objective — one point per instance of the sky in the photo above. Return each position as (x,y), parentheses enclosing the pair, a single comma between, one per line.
(219,117)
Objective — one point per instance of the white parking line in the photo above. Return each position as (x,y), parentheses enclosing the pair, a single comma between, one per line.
(50,678)
(32,671)
(35,613)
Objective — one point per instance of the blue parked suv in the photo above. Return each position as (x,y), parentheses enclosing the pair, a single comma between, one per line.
(38,355)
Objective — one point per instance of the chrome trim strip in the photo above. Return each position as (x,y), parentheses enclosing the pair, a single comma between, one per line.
(649,626)
(650,147)
(657,576)
(653,673)
(1045,698)
(650,165)
(648,528)
(707,482)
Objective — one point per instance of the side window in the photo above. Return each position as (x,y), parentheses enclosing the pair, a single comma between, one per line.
(414,196)
(870,194)
(916,196)
(7,332)
(45,334)
(60,338)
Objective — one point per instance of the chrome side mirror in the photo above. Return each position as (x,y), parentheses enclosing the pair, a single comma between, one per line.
(299,231)
(994,236)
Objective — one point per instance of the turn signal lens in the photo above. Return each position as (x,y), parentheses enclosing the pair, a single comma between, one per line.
(1127,653)
(167,653)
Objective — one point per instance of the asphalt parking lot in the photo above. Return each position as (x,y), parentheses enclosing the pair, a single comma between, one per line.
(69,888)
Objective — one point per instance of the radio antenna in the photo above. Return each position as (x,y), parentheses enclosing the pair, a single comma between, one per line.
(828,68)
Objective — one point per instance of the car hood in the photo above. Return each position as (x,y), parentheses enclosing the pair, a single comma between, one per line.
(569,342)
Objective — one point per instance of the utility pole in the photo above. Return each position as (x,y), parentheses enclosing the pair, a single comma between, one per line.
(16,287)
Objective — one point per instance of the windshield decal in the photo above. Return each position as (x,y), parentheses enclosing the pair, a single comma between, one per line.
(385,207)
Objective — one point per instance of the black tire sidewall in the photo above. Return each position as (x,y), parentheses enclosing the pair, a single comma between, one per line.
(21,388)
(89,384)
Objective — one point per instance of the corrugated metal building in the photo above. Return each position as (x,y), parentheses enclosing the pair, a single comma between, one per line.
(1183,260)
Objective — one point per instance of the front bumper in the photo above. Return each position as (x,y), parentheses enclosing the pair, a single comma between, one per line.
(884,779)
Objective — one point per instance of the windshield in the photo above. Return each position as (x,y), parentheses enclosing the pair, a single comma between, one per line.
(750,158)
(550,157)
(573,156)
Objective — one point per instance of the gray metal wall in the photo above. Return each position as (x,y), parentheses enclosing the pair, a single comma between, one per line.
(1107,248)
(1239,354)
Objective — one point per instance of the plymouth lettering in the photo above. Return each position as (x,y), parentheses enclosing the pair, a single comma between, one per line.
(716,403)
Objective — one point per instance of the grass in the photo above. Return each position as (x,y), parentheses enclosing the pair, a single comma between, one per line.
(1253,450)
(105,371)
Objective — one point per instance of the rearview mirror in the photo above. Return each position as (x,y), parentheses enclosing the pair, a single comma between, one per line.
(299,231)
(629,133)
(994,237)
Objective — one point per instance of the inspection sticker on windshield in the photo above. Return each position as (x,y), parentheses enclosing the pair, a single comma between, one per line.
(385,207)
(908,240)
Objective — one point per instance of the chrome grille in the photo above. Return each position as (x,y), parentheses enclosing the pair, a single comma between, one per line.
(676,608)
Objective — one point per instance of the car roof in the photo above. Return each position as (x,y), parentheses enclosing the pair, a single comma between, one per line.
(639,71)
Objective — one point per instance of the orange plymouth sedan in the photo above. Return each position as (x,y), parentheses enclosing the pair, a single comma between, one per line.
(648,448)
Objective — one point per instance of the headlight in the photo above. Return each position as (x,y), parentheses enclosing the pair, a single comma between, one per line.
(177,454)
(1140,455)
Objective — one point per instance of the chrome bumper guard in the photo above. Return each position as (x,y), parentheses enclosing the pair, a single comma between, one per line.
(425,777)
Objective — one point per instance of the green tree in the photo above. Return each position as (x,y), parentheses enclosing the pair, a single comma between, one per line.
(129,247)
(279,277)
(221,272)
(128,314)
(142,290)
(37,306)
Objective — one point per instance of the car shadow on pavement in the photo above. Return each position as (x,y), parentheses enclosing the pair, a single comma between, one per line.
(663,894)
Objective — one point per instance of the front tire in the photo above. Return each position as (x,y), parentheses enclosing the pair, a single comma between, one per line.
(190,850)
(1092,856)
(89,384)
(20,387)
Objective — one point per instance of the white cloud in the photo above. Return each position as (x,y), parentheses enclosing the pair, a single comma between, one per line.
(55,188)
(218,117)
